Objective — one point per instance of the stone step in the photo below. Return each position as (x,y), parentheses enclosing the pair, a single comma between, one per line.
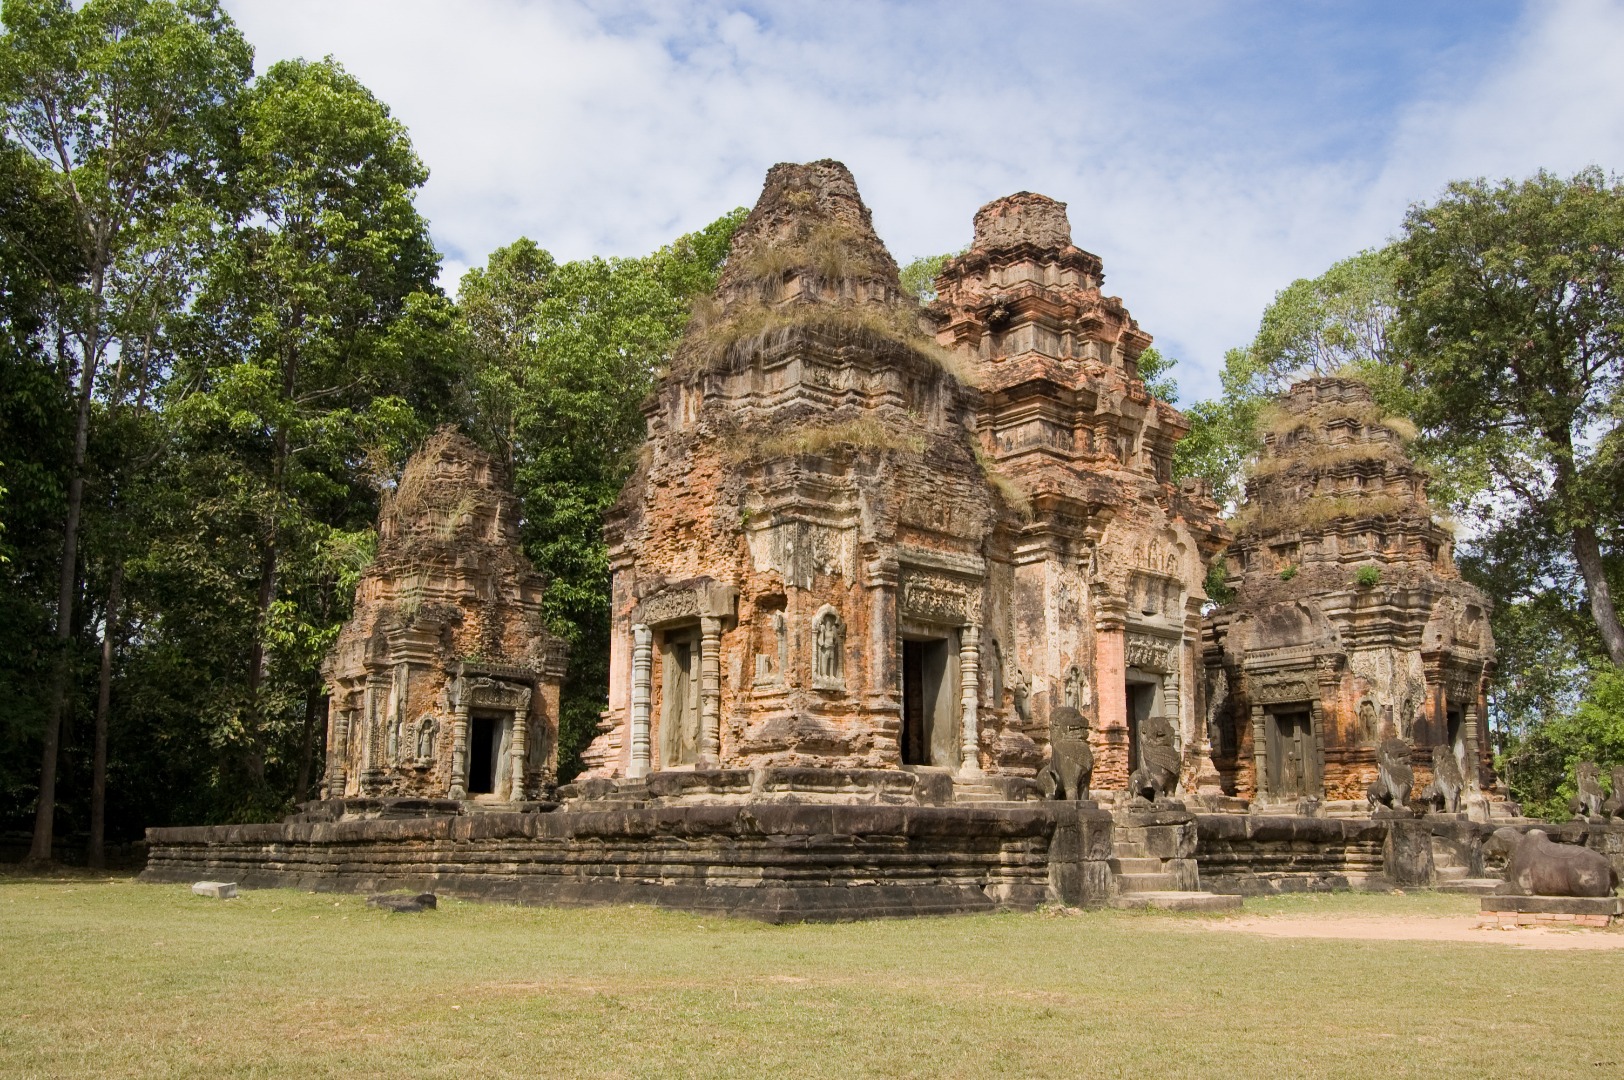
(1474,886)
(1178,901)
(1147,883)
(1135,865)
(1449,872)
(1129,849)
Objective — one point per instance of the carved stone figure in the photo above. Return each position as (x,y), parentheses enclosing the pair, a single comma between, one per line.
(1158,772)
(426,731)
(1537,867)
(1444,792)
(829,647)
(1614,806)
(1021,691)
(1394,777)
(1071,761)
(1588,802)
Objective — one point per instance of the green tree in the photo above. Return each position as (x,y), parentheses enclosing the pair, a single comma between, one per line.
(919,276)
(564,356)
(1512,316)
(1156,372)
(318,351)
(1325,325)
(38,255)
(1223,431)
(121,100)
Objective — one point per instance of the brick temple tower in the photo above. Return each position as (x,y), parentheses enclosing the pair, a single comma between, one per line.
(1108,557)
(1350,622)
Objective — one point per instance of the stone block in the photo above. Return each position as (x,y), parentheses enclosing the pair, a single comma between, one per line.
(1407,853)
(1550,907)
(218,890)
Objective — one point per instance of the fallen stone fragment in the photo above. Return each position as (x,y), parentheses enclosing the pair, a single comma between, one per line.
(219,890)
(398,902)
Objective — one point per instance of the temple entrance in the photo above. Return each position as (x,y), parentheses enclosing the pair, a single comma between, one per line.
(490,738)
(1141,706)
(679,698)
(1455,733)
(927,711)
(1291,762)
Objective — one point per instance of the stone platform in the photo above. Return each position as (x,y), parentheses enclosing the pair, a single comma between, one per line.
(776,862)
(1557,912)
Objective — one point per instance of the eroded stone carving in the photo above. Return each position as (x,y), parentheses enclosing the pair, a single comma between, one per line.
(1537,867)
(1587,802)
(1394,776)
(1158,771)
(1071,760)
(1614,806)
(1443,792)
(829,651)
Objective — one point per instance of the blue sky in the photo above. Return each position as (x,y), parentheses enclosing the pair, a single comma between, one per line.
(1210,152)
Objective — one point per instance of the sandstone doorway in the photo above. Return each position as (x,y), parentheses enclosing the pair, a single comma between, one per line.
(928,736)
(679,698)
(1142,704)
(1293,768)
(490,740)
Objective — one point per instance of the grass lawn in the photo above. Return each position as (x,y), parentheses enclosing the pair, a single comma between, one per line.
(105,977)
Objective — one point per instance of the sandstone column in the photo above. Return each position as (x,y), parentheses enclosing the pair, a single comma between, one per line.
(969,695)
(642,674)
(1110,677)
(520,752)
(1260,755)
(710,689)
(459,746)
(337,746)
(1469,730)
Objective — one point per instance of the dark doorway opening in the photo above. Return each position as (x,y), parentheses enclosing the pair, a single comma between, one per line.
(1291,754)
(1141,700)
(483,739)
(926,722)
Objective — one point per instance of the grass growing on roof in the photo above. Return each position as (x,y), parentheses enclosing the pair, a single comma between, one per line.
(715,336)
(863,433)
(103,977)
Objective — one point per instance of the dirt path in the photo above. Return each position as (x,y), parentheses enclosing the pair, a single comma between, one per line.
(1412,928)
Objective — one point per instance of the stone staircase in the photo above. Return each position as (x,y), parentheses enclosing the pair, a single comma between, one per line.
(1153,864)
(1451,875)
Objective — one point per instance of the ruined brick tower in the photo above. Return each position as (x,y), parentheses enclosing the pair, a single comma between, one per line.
(1107,560)
(443,683)
(800,560)
(1350,623)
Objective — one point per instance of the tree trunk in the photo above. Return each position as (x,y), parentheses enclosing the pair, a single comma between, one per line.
(1587,551)
(45,812)
(1586,546)
(97,854)
(313,701)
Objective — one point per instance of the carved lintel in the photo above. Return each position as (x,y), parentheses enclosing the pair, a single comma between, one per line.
(1151,653)
(938,598)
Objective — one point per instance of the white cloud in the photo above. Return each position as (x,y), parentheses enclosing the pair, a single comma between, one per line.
(1188,159)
